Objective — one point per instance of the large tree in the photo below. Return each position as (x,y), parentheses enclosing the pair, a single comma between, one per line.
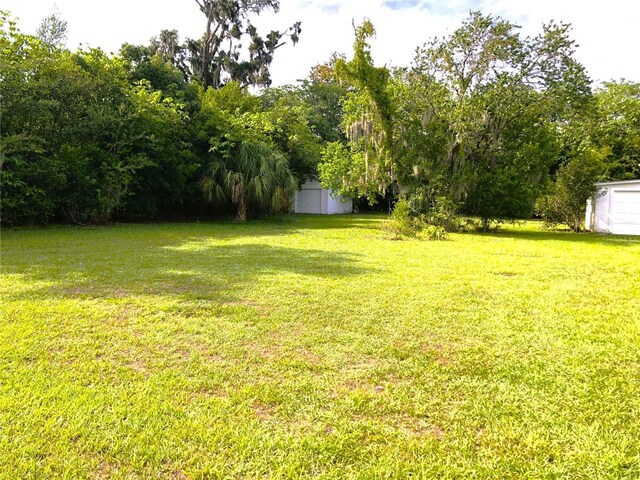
(495,101)
(368,123)
(566,201)
(617,128)
(325,96)
(246,167)
(98,142)
(499,94)
(474,118)
(218,56)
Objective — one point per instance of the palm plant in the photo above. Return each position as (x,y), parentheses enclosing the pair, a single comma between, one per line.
(255,176)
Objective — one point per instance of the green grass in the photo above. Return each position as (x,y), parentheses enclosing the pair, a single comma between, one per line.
(312,347)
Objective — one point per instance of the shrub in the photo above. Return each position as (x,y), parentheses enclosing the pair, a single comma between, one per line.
(433,232)
(575,184)
(403,223)
(444,214)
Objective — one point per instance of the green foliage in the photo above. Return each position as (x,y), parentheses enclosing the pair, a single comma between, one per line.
(404,223)
(368,122)
(480,124)
(617,128)
(287,123)
(101,147)
(325,94)
(254,178)
(487,107)
(161,75)
(567,200)
(433,232)
(218,56)
(338,166)
(443,214)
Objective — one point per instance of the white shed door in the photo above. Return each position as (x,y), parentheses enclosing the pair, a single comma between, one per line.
(626,212)
(309,201)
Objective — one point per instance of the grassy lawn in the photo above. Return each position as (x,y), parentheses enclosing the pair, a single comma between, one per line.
(311,347)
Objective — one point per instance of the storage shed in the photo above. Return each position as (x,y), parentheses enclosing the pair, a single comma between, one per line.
(615,208)
(312,198)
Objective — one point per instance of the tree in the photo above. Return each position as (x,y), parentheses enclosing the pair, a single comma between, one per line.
(616,126)
(243,166)
(286,119)
(493,99)
(325,95)
(368,122)
(53,30)
(254,177)
(98,142)
(217,56)
(144,65)
(575,184)
(27,177)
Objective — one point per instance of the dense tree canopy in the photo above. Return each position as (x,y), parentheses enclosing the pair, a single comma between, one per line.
(485,120)
(122,137)
(617,128)
(475,118)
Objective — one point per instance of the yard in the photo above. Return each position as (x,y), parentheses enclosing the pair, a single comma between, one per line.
(311,347)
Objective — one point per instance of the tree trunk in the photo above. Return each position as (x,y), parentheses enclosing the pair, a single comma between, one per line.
(241,213)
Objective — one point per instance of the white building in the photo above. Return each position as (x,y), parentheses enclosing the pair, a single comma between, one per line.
(312,198)
(615,208)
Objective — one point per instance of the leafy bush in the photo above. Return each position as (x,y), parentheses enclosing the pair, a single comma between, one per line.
(575,184)
(444,214)
(433,232)
(403,223)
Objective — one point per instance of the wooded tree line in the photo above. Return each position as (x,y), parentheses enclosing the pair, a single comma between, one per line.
(485,121)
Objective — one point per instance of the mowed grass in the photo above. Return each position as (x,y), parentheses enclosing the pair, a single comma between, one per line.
(313,348)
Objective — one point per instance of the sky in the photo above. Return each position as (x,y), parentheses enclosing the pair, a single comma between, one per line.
(606,32)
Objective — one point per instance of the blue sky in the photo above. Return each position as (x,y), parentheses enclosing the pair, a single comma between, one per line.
(606,32)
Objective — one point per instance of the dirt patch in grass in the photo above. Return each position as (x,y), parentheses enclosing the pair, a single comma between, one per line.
(105,470)
(61,356)
(140,366)
(263,412)
(309,357)
(440,354)
(167,287)
(256,350)
(120,293)
(122,316)
(215,392)
(413,426)
(178,475)
(506,274)
(78,291)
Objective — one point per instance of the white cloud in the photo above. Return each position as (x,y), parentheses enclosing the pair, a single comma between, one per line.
(607,33)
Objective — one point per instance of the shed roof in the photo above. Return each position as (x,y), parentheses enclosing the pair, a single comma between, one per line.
(619,182)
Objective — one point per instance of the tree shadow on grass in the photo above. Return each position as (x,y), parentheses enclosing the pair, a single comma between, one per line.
(327,222)
(562,236)
(290,224)
(191,268)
